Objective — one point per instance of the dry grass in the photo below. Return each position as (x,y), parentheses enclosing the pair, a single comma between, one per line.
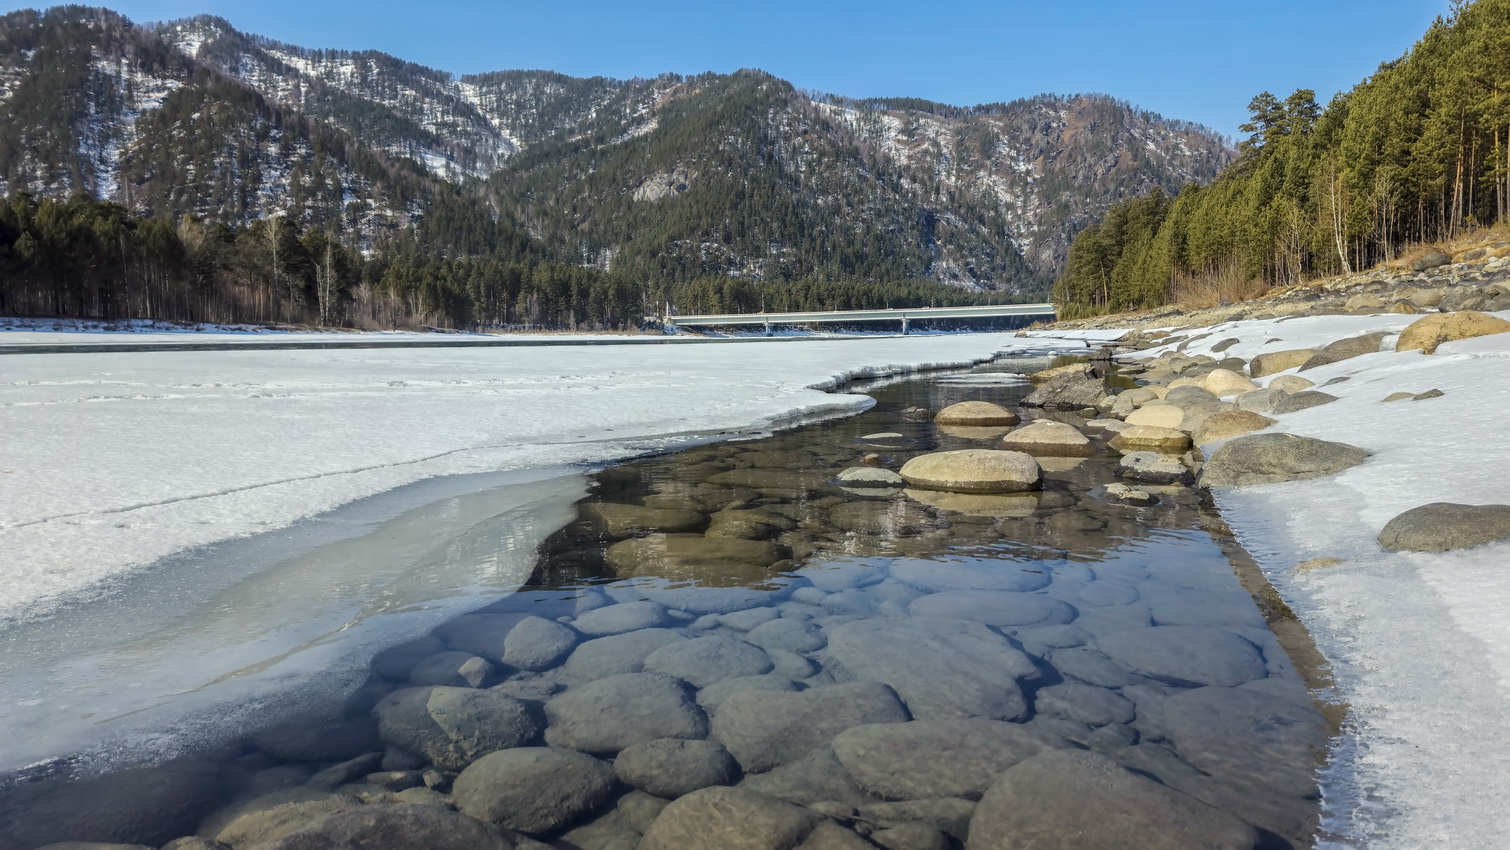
(1216,288)
(1479,237)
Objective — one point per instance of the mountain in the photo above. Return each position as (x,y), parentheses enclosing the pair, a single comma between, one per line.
(738,175)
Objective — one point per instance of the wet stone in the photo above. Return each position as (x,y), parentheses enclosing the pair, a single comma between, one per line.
(538,644)
(902,761)
(453,726)
(1187,655)
(535,790)
(765,729)
(1083,703)
(452,669)
(704,661)
(669,767)
(789,634)
(711,697)
(993,607)
(611,714)
(624,653)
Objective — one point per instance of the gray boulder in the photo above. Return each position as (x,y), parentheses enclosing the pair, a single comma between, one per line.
(1071,799)
(1068,391)
(949,815)
(993,607)
(149,806)
(815,778)
(730,819)
(479,634)
(453,726)
(868,476)
(711,697)
(611,714)
(1084,704)
(1434,260)
(937,576)
(1443,526)
(1303,400)
(615,654)
(936,758)
(764,729)
(1261,401)
(1248,739)
(1187,656)
(670,768)
(706,660)
(430,827)
(1345,349)
(535,790)
(1272,458)
(789,634)
(941,668)
(1154,468)
(538,644)
(623,617)
(452,669)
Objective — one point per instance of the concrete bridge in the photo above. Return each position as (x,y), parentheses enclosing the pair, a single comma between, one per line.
(905,317)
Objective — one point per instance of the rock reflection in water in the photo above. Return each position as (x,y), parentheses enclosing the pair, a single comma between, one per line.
(726,645)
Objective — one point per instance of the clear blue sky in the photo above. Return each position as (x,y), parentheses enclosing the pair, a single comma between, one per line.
(1201,61)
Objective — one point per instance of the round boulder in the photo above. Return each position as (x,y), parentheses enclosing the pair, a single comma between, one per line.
(1233,423)
(1220,382)
(1047,438)
(452,669)
(976,413)
(706,660)
(1154,468)
(868,476)
(453,726)
(1074,799)
(535,790)
(1157,416)
(1186,656)
(430,827)
(670,767)
(1442,526)
(1271,458)
(612,714)
(927,759)
(1426,333)
(732,818)
(1147,438)
(974,471)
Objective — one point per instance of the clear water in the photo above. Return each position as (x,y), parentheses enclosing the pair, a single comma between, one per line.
(1142,643)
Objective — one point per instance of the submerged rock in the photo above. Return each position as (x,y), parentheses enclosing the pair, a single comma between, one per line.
(976,413)
(765,729)
(612,714)
(1154,468)
(867,476)
(431,827)
(669,767)
(733,818)
(974,471)
(453,726)
(1443,526)
(1187,656)
(1147,438)
(1076,799)
(535,790)
(937,758)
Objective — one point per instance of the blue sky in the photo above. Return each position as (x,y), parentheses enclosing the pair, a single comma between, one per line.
(1201,61)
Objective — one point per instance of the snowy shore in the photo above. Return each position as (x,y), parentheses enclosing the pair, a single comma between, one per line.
(1419,643)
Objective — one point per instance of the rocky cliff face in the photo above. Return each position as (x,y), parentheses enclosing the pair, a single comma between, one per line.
(712,175)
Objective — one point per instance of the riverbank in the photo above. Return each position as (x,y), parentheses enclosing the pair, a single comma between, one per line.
(1417,640)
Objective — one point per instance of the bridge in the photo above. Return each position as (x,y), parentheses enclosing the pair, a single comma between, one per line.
(906,317)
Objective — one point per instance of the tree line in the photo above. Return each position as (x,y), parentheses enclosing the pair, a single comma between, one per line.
(83,258)
(1418,152)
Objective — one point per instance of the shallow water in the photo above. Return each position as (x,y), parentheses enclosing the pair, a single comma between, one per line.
(1077,621)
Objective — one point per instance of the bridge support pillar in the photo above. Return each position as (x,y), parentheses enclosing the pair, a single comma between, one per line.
(768,331)
(906,328)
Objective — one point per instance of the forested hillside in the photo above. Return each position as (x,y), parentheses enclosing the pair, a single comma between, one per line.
(449,197)
(1415,153)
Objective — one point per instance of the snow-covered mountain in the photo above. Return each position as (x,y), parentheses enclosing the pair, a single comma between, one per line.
(737,174)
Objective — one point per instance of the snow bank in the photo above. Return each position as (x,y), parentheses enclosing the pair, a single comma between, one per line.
(1420,643)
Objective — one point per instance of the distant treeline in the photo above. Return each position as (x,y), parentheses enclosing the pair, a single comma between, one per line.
(1415,153)
(83,258)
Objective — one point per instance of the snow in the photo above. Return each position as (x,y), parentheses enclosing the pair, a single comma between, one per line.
(186,530)
(1419,643)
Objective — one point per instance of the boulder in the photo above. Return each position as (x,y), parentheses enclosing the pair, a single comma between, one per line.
(670,767)
(452,669)
(1433,260)
(1073,799)
(1428,332)
(1272,458)
(1127,495)
(430,827)
(611,714)
(868,476)
(949,815)
(941,668)
(1148,438)
(1068,391)
(1154,468)
(620,521)
(1193,397)
(965,574)
(1442,526)
(713,696)
(974,471)
(623,617)
(1303,400)
(1221,382)
(993,607)
(1047,438)
(538,644)
(706,660)
(1260,401)
(623,653)
(1186,656)
(479,634)
(1345,349)
(1257,742)
(693,556)
(815,778)
(937,758)
(535,790)
(1156,416)
(788,634)
(1291,383)
(976,413)
(452,727)
(1233,423)
(765,729)
(150,805)
(730,819)
(1084,704)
